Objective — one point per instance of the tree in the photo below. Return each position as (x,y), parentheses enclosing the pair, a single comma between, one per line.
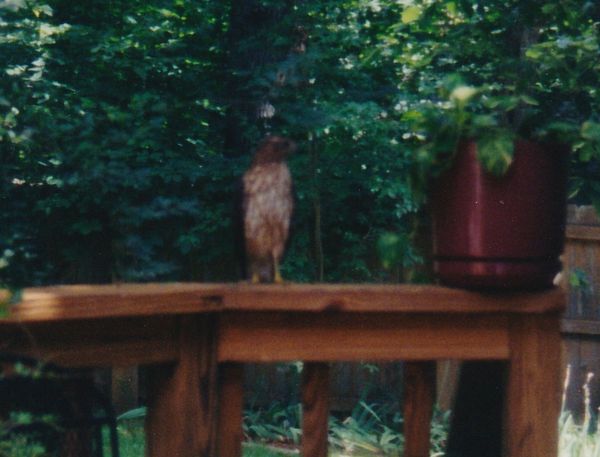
(125,126)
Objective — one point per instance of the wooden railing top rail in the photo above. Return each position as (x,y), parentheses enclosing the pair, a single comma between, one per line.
(122,300)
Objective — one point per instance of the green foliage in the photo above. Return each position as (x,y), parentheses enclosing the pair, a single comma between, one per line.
(132,439)
(498,70)
(579,279)
(496,152)
(108,141)
(21,447)
(397,249)
(137,413)
(371,429)
(254,450)
(576,440)
(366,430)
(277,423)
(125,126)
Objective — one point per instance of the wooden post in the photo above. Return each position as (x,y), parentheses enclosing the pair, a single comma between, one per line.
(315,412)
(446,383)
(181,420)
(231,402)
(419,397)
(533,404)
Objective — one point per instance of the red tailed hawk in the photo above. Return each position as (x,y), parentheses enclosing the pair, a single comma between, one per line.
(267,205)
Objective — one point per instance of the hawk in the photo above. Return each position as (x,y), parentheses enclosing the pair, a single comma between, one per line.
(267,205)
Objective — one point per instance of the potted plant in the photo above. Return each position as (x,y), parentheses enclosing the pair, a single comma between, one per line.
(510,98)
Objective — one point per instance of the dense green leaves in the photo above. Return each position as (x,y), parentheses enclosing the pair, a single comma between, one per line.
(124,126)
(489,71)
(496,152)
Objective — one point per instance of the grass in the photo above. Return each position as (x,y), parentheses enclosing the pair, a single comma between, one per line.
(131,443)
(131,438)
(360,435)
(258,450)
(275,432)
(576,441)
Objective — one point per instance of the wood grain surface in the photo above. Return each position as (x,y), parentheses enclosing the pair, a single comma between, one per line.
(231,402)
(95,302)
(534,387)
(277,337)
(315,409)
(419,397)
(182,410)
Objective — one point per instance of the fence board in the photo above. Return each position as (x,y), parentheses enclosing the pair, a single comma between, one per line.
(581,324)
(349,384)
(574,379)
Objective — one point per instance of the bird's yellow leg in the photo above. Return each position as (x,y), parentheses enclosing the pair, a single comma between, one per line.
(255,278)
(277,279)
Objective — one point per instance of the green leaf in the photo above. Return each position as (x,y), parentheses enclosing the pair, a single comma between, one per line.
(590,131)
(451,9)
(586,153)
(495,152)
(579,279)
(390,246)
(529,100)
(560,127)
(136,413)
(411,14)
(503,102)
(484,121)
(533,53)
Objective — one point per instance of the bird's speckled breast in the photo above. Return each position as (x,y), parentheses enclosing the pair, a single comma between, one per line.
(268,206)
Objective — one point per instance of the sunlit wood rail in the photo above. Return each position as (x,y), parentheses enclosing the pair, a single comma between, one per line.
(198,336)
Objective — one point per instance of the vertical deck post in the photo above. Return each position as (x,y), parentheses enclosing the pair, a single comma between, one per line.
(533,387)
(181,420)
(231,402)
(419,397)
(315,411)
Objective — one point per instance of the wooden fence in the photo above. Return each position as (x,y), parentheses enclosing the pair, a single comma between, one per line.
(264,383)
(581,323)
(350,383)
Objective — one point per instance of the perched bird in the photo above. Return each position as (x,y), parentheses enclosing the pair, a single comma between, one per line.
(267,205)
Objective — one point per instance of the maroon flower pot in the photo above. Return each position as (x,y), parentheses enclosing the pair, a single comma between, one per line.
(501,232)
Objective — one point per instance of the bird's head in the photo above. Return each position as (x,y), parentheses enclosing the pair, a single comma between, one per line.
(274,149)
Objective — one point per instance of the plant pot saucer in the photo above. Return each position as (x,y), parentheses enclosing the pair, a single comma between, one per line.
(509,274)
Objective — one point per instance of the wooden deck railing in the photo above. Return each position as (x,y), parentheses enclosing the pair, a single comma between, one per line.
(198,336)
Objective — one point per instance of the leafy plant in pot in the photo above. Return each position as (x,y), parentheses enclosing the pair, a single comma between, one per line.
(497,137)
